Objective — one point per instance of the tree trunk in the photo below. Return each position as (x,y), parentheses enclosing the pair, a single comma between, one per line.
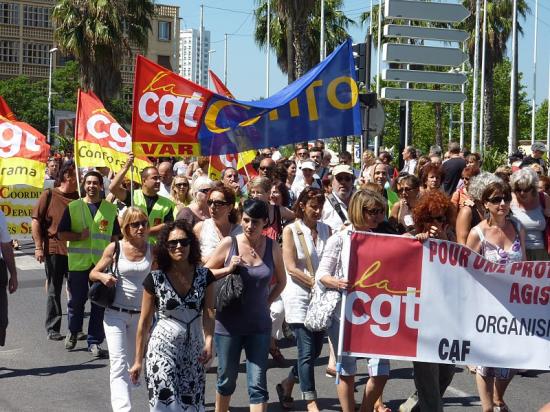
(438,120)
(438,127)
(488,107)
(300,45)
(291,66)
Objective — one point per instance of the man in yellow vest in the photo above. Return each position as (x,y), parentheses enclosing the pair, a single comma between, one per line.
(89,225)
(159,209)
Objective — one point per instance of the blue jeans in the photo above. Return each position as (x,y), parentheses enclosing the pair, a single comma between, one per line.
(256,349)
(309,345)
(78,287)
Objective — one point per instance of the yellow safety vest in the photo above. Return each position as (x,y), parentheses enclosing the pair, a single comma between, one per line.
(84,254)
(161,208)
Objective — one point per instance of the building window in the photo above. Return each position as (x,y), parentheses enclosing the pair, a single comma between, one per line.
(34,16)
(36,53)
(9,51)
(165,30)
(164,61)
(9,13)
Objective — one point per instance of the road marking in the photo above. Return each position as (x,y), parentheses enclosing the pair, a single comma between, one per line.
(10,352)
(27,263)
(461,394)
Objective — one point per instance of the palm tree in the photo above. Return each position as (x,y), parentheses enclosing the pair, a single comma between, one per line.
(295,34)
(99,34)
(499,30)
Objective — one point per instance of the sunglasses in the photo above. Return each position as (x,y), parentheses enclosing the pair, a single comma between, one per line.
(405,189)
(182,185)
(217,203)
(175,243)
(373,212)
(497,200)
(266,168)
(203,190)
(137,225)
(344,178)
(302,153)
(527,190)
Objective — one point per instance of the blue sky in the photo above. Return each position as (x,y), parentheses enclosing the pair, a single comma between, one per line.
(247,63)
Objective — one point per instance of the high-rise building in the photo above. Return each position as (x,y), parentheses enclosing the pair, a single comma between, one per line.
(190,65)
(27,36)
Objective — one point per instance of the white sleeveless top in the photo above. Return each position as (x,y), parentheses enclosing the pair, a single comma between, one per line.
(210,239)
(129,286)
(295,296)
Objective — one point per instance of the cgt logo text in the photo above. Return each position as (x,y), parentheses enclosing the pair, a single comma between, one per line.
(383,313)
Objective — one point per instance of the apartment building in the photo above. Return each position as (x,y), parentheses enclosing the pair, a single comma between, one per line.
(190,55)
(26,39)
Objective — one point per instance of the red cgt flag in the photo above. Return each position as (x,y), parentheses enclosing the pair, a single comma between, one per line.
(5,110)
(167,111)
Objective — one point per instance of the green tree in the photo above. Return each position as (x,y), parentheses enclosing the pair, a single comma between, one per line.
(499,30)
(541,121)
(295,34)
(98,34)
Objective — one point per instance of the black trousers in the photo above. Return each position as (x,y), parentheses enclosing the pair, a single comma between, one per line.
(57,267)
(3,301)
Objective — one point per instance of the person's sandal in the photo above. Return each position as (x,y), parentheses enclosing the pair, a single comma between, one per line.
(382,408)
(286,402)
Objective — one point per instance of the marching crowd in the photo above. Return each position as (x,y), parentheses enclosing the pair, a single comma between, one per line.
(206,268)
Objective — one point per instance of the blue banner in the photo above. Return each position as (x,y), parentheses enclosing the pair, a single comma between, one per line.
(321,104)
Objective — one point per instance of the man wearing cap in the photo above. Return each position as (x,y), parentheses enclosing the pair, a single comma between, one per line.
(159,209)
(309,179)
(538,150)
(89,225)
(335,209)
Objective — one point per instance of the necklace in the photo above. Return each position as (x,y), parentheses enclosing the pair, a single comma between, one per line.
(252,252)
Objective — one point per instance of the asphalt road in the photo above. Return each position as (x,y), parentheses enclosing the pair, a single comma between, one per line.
(40,375)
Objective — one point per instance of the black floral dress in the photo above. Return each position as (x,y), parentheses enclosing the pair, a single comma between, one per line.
(175,379)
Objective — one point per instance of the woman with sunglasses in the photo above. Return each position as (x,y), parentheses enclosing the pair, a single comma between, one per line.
(247,324)
(531,209)
(181,294)
(460,197)
(180,193)
(301,263)
(222,221)
(408,189)
(198,210)
(121,319)
(500,240)
(366,211)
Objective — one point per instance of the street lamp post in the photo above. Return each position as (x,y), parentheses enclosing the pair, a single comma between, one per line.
(209,55)
(51,55)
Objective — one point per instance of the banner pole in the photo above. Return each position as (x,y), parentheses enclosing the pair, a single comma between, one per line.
(132,186)
(239,159)
(345,270)
(77,172)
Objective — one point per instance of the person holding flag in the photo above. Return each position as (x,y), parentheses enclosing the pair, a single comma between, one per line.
(89,225)
(159,209)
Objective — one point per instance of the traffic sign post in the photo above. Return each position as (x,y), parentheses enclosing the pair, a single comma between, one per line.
(425,11)
(426,55)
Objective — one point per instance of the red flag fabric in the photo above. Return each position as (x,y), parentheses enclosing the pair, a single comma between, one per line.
(219,85)
(5,110)
(167,112)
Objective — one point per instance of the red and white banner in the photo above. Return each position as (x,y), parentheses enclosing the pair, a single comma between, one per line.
(440,302)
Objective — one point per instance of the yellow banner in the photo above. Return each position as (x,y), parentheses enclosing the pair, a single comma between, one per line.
(161,149)
(94,155)
(21,171)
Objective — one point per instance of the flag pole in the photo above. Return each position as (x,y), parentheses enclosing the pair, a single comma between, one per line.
(77,172)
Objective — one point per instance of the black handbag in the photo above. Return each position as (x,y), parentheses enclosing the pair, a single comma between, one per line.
(229,288)
(100,294)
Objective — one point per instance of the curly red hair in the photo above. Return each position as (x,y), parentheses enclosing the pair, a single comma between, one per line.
(431,204)
(431,168)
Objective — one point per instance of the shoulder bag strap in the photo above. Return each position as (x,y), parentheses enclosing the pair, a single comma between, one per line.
(116,256)
(336,206)
(300,234)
